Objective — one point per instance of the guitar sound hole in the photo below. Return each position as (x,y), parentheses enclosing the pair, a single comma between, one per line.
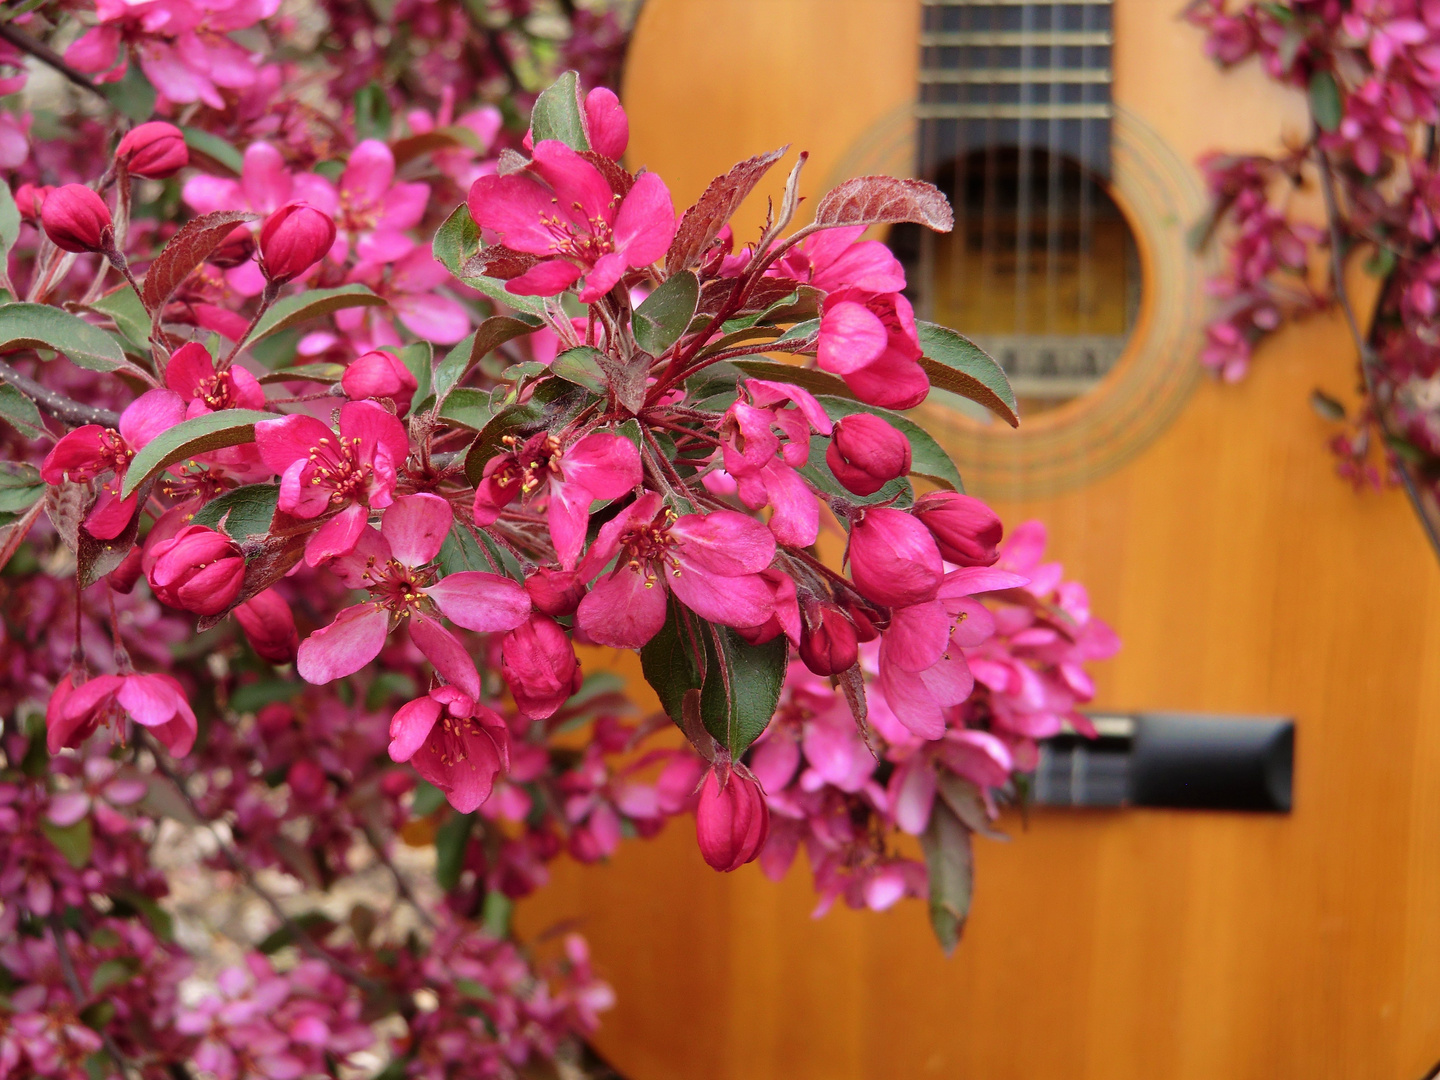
(1041,271)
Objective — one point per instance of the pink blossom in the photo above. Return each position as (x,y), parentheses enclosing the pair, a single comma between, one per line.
(836,259)
(191,373)
(711,562)
(392,564)
(731,822)
(597,466)
(764,464)
(870,341)
(454,743)
(410,284)
(561,209)
(198,569)
(373,211)
(866,453)
(539,665)
(92,451)
(606,123)
(965,529)
(893,558)
(321,472)
(156,702)
(269,626)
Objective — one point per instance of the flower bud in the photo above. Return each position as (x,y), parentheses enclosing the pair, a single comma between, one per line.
(269,626)
(293,239)
(155,150)
(122,579)
(555,592)
(862,619)
(731,825)
(29,198)
(306,781)
(828,644)
(893,559)
(197,569)
(967,531)
(379,375)
(76,219)
(236,249)
(539,666)
(866,453)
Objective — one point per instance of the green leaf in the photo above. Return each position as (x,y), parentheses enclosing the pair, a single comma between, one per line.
(800,331)
(467,407)
(246,511)
(212,150)
(372,112)
(321,373)
(20,486)
(1326,406)
(957,364)
(419,360)
(812,379)
(132,94)
(495,914)
(113,973)
(557,113)
(39,326)
(456,241)
(316,925)
(581,366)
(451,840)
(948,856)
(293,310)
(927,457)
(553,401)
(198,435)
(254,696)
(666,312)
(20,412)
(739,687)
(75,842)
(427,799)
(493,333)
(1325,104)
(130,316)
(453,367)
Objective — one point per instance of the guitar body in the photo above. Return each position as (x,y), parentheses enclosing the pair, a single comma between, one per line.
(1242,575)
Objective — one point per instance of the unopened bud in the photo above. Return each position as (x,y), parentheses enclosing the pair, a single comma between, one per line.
(155,150)
(555,592)
(306,781)
(731,825)
(29,198)
(236,249)
(828,644)
(76,219)
(269,626)
(379,375)
(866,453)
(197,569)
(967,531)
(539,666)
(893,559)
(123,578)
(293,239)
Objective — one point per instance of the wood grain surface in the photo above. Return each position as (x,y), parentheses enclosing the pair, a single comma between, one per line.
(1243,577)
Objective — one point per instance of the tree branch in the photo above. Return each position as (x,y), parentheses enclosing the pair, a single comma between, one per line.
(42,52)
(55,403)
(1362,343)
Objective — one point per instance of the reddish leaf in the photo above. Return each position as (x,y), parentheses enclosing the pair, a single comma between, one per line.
(615,175)
(186,250)
(880,200)
(765,292)
(702,222)
(13,535)
(498,261)
(510,161)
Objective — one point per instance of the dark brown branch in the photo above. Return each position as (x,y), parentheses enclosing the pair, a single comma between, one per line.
(42,52)
(56,404)
(1362,343)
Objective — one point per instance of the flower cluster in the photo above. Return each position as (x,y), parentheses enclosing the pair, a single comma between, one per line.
(1371,71)
(373,419)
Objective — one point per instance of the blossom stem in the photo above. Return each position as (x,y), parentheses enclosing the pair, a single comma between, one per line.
(55,403)
(72,981)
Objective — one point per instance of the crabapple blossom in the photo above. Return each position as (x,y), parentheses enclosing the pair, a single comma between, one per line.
(75,218)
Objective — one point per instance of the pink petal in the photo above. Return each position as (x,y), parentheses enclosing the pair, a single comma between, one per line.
(158,703)
(345,646)
(150,414)
(796,520)
(973,622)
(447,654)
(206,194)
(764,392)
(917,635)
(544,279)
(440,319)
(267,183)
(416,526)
(607,543)
(892,382)
(851,337)
(513,207)
(367,176)
(623,610)
(486,603)
(581,193)
(568,516)
(111,514)
(337,536)
(289,439)
(410,727)
(731,601)
(725,542)
(605,465)
(609,128)
(969,580)
(374,426)
(404,206)
(912,794)
(645,224)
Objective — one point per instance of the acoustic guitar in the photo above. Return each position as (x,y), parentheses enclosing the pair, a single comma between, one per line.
(1242,575)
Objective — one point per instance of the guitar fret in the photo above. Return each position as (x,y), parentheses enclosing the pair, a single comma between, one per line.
(986,76)
(1034,38)
(946,110)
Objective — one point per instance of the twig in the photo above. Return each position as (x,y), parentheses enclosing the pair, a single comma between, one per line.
(298,933)
(56,404)
(1367,356)
(402,885)
(42,52)
(72,980)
